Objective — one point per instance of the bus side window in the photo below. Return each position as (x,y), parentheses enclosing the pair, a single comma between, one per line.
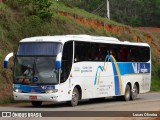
(146,54)
(67,56)
(91,51)
(83,52)
(122,55)
(77,52)
(143,54)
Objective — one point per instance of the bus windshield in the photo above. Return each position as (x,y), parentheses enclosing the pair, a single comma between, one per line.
(37,70)
(36,65)
(34,48)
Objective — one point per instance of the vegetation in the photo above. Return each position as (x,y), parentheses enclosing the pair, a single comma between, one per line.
(130,12)
(26,18)
(155,85)
(32,7)
(8,100)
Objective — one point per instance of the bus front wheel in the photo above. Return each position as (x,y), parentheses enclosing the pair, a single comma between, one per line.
(36,103)
(75,97)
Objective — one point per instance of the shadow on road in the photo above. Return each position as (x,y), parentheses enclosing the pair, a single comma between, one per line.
(81,103)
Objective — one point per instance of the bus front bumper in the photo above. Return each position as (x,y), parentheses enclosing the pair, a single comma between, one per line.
(36,96)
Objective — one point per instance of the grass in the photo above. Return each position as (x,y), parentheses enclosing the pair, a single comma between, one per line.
(7,101)
(58,6)
(125,37)
(155,85)
(157,36)
(10,100)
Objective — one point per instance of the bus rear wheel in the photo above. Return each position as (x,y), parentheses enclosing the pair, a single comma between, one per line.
(127,94)
(36,103)
(134,92)
(75,97)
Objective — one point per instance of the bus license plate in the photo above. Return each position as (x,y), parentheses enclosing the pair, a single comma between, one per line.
(33,97)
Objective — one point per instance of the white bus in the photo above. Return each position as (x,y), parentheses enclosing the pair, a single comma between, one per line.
(76,67)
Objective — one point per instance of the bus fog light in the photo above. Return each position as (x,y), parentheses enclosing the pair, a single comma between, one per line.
(17,90)
(52,91)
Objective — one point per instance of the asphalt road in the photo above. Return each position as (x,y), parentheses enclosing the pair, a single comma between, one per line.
(144,102)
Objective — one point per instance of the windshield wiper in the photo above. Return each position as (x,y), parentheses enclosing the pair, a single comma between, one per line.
(35,70)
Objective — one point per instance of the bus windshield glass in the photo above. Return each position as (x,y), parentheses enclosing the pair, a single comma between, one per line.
(35,63)
(35,48)
(35,70)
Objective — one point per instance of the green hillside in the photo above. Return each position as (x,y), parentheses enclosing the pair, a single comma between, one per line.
(130,12)
(22,18)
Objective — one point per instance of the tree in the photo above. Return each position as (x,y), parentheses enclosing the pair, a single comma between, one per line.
(131,12)
(41,8)
(32,7)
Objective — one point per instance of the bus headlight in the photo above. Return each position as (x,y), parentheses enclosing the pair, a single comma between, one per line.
(52,91)
(17,90)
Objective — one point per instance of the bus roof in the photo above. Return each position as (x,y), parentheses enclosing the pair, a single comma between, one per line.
(84,38)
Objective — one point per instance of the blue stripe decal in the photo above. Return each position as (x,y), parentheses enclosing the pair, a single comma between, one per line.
(26,88)
(99,67)
(134,68)
(116,80)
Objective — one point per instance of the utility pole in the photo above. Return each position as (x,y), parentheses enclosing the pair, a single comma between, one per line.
(107,9)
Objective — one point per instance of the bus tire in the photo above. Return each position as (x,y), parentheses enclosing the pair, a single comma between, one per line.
(75,97)
(127,94)
(134,92)
(36,103)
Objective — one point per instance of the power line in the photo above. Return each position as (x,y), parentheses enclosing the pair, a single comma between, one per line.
(98,8)
(104,6)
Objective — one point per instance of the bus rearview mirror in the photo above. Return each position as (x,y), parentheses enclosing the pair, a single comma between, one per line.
(7,59)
